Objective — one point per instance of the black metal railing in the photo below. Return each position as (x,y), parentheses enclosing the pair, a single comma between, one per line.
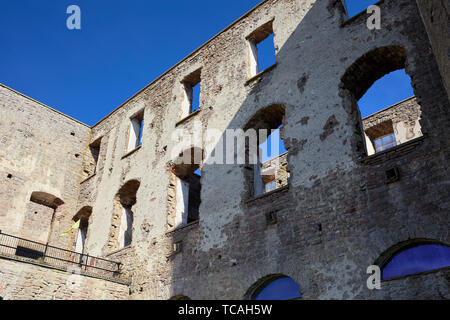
(45,254)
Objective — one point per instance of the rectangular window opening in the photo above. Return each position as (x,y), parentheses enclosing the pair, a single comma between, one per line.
(270,186)
(385,142)
(380,137)
(261,49)
(136,131)
(190,100)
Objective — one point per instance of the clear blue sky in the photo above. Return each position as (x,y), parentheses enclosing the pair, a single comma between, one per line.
(356,6)
(122,46)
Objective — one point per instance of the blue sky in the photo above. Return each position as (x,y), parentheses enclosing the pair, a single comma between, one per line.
(356,6)
(122,46)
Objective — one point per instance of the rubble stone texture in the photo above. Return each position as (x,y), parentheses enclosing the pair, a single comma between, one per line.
(335,212)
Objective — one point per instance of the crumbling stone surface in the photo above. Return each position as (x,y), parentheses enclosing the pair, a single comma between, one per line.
(43,151)
(335,215)
(19,281)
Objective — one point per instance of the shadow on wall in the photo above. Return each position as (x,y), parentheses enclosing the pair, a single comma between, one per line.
(355,75)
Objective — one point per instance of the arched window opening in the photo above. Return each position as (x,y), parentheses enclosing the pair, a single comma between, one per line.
(185,188)
(180,297)
(414,257)
(275,287)
(38,223)
(83,216)
(381,91)
(122,226)
(39,217)
(266,168)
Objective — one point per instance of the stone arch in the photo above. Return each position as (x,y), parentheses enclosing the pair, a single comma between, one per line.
(180,297)
(40,215)
(256,289)
(257,174)
(371,66)
(355,82)
(184,194)
(122,220)
(410,245)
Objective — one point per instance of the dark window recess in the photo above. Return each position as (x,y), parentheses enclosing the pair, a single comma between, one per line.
(271,218)
(191,99)
(194,198)
(177,247)
(95,153)
(29,253)
(392,175)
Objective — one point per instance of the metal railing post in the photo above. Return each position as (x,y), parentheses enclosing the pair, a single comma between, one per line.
(86,264)
(45,250)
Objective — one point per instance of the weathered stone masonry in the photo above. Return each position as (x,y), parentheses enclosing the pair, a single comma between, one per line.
(336,214)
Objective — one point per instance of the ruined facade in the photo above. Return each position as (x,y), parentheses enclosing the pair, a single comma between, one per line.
(338,204)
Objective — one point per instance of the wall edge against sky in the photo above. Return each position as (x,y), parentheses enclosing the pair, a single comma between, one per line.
(182,60)
(44,105)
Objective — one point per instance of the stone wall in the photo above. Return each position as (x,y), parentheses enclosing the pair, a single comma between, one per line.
(41,151)
(276,170)
(337,213)
(22,281)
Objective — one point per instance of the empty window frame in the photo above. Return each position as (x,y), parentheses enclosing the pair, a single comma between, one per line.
(270,186)
(40,216)
(267,161)
(385,142)
(121,232)
(188,191)
(83,216)
(126,227)
(380,137)
(184,202)
(261,49)
(190,97)
(370,82)
(81,237)
(135,131)
(95,153)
